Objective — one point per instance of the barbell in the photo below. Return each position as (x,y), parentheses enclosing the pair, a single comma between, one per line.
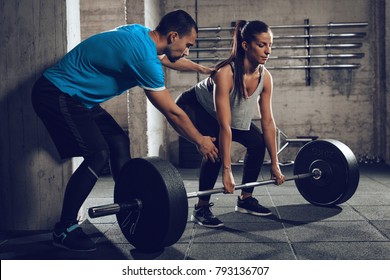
(151,203)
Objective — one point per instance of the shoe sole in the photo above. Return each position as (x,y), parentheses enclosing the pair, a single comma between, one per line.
(196,221)
(246,211)
(62,246)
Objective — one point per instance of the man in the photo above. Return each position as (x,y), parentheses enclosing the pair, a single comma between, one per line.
(68,95)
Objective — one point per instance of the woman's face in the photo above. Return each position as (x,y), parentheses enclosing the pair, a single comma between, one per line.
(258,50)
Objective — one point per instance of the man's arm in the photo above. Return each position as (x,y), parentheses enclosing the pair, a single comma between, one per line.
(179,120)
(184,64)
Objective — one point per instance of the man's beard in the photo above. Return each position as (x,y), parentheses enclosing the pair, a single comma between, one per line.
(171,58)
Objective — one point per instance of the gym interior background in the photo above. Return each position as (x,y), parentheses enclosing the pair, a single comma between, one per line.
(346,103)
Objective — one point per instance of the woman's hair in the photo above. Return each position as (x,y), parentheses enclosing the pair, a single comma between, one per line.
(178,21)
(243,31)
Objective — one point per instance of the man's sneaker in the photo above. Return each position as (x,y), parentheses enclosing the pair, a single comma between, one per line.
(204,217)
(250,205)
(72,237)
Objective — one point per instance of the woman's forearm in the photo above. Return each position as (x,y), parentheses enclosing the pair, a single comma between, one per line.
(269,131)
(225,143)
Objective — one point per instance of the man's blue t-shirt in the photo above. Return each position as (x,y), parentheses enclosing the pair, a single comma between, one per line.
(109,63)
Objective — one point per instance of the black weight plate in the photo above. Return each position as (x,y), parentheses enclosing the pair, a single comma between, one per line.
(340,169)
(163,216)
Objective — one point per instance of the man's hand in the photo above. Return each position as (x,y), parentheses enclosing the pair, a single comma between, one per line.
(179,120)
(207,148)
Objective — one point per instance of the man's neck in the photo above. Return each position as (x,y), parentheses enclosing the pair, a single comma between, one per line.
(158,40)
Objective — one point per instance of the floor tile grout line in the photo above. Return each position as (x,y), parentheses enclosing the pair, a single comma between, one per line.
(190,242)
(368,221)
(284,227)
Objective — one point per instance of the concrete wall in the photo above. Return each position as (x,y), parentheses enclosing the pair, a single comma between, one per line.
(98,16)
(32,177)
(345,104)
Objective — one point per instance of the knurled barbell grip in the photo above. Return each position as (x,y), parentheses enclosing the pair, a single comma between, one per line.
(253,184)
(114,208)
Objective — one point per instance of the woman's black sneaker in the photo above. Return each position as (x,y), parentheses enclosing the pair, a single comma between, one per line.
(250,205)
(204,217)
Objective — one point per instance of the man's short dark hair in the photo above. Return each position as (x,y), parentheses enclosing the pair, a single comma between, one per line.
(179,21)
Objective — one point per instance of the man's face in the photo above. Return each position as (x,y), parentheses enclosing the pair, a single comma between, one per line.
(179,47)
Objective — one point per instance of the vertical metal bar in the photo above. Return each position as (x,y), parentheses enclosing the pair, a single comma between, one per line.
(307,42)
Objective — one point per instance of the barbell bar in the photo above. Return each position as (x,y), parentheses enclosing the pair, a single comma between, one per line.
(136,204)
(313,56)
(316,173)
(275,47)
(329,35)
(114,208)
(328,25)
(151,202)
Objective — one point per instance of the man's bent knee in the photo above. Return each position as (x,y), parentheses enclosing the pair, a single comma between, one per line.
(97,161)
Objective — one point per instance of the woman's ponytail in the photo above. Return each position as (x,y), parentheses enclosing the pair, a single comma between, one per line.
(243,31)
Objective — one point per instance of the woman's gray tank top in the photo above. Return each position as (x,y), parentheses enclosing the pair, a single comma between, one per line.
(242,110)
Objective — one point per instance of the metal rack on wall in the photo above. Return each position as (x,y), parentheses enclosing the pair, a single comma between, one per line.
(215,47)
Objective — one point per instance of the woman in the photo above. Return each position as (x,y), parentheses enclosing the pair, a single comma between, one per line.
(223,106)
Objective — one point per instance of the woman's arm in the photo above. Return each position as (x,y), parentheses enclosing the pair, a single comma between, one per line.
(268,126)
(184,64)
(223,85)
